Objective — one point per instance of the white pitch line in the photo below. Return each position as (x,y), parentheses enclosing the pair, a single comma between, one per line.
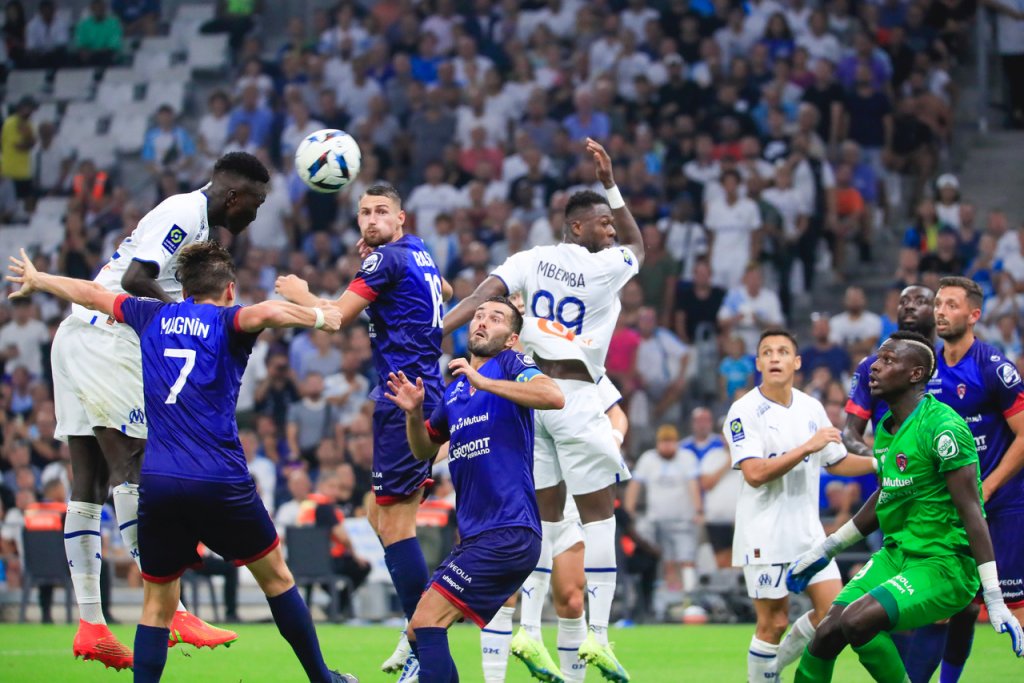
(31,653)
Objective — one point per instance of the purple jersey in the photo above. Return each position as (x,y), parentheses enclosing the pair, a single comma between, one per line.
(985,389)
(861,403)
(193,357)
(490,453)
(406,310)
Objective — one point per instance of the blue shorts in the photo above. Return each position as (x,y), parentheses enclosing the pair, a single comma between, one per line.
(1004,528)
(482,572)
(176,515)
(397,474)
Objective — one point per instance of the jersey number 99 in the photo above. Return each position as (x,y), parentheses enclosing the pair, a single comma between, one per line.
(544,305)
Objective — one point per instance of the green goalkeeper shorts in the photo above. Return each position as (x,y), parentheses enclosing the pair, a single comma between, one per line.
(915,591)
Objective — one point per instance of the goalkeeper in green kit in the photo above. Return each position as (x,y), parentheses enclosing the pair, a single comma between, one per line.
(937,549)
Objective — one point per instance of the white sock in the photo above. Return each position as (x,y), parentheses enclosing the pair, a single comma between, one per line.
(761,661)
(599,566)
(126,506)
(535,588)
(571,634)
(494,643)
(689,579)
(83,545)
(792,647)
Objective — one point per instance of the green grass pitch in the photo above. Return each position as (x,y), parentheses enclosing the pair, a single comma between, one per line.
(656,654)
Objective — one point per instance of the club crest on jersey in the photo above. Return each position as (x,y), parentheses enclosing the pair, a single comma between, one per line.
(175,238)
(736,427)
(627,256)
(1008,375)
(371,262)
(946,445)
(764,580)
(136,416)
(854,381)
(901,462)
(961,390)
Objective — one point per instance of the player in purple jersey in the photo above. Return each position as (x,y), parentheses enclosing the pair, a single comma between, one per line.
(403,294)
(195,484)
(487,418)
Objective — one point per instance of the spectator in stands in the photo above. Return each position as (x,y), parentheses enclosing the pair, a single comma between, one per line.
(98,36)
(323,358)
(139,17)
(945,259)
(234,18)
(674,507)
(22,339)
(1010,25)
(853,220)
(310,419)
(168,147)
(14,31)
(914,150)
(734,222)
(434,196)
(260,467)
(51,162)
(299,488)
(697,305)
(276,393)
(585,122)
(750,307)
(17,139)
(857,329)
(657,277)
(10,207)
(947,206)
(46,38)
(824,351)
(212,134)
(256,116)
(663,374)
(736,371)
(719,483)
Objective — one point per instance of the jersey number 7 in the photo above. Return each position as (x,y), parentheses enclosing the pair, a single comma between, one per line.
(189,356)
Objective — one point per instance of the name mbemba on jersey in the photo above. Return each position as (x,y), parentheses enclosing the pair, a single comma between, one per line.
(556,272)
(193,327)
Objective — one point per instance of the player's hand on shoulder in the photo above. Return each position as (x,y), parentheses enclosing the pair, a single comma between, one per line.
(824,437)
(460,367)
(363,248)
(602,161)
(403,393)
(332,318)
(1003,621)
(291,287)
(24,274)
(805,567)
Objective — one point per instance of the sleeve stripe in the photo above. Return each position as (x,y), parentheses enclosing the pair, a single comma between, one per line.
(435,436)
(235,323)
(861,412)
(507,288)
(358,286)
(1018,405)
(118,303)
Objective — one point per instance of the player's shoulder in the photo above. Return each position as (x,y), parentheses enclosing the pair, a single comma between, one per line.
(805,400)
(935,413)
(751,404)
(993,363)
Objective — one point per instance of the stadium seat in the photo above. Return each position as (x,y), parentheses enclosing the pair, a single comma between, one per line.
(100,149)
(195,12)
(73,84)
(165,92)
(21,82)
(309,558)
(150,64)
(112,95)
(208,53)
(45,565)
(193,580)
(121,74)
(47,112)
(156,45)
(131,129)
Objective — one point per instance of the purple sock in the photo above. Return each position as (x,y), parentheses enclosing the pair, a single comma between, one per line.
(436,664)
(150,653)
(408,572)
(296,625)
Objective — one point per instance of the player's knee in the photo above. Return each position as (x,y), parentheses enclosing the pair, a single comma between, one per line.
(857,626)
(569,602)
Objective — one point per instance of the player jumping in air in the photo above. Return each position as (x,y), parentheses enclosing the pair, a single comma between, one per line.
(575,283)
(195,484)
(487,418)
(403,293)
(780,439)
(937,549)
(97,382)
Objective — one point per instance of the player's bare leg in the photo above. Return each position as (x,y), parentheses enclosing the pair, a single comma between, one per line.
(864,624)
(772,620)
(83,547)
(159,603)
(428,631)
(792,648)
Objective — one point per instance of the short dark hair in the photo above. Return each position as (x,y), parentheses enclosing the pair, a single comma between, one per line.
(384,190)
(731,172)
(242,164)
(924,348)
(580,201)
(970,287)
(515,320)
(205,269)
(779,332)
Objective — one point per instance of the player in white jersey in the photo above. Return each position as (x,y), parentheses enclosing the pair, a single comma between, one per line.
(97,377)
(780,439)
(575,283)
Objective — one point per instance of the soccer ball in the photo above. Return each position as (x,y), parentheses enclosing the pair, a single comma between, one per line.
(328,160)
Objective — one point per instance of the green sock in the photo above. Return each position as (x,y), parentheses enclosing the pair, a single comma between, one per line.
(814,669)
(880,657)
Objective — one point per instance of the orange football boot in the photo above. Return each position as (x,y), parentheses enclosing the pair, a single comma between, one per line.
(95,641)
(188,628)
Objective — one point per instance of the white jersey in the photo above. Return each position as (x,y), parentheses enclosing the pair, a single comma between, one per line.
(573,286)
(159,237)
(779,520)
(549,339)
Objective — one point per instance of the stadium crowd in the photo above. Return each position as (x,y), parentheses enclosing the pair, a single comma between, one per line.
(763,147)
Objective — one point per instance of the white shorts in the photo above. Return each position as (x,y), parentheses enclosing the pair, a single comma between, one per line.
(768,581)
(575,444)
(97,381)
(608,392)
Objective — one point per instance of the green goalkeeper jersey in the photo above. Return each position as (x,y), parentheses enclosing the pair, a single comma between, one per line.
(915,510)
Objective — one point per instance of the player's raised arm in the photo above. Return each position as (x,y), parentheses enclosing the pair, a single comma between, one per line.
(82,292)
(409,397)
(858,411)
(296,290)
(275,314)
(462,313)
(627,232)
(537,391)
(140,280)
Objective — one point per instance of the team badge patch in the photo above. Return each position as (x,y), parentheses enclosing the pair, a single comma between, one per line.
(854,381)
(961,390)
(736,427)
(1008,375)
(371,262)
(136,416)
(627,256)
(946,445)
(175,238)
(901,462)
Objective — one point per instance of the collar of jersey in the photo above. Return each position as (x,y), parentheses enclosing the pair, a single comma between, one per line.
(776,402)
(881,423)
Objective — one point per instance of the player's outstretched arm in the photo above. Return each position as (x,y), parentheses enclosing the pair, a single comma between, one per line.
(409,397)
(82,292)
(539,392)
(854,466)
(295,289)
(817,558)
(626,229)
(759,471)
(464,310)
(963,488)
(140,280)
(276,314)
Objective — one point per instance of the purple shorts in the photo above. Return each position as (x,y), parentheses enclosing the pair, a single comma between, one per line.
(397,474)
(1004,528)
(176,515)
(482,572)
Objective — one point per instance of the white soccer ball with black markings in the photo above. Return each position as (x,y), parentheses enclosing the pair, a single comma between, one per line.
(328,160)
